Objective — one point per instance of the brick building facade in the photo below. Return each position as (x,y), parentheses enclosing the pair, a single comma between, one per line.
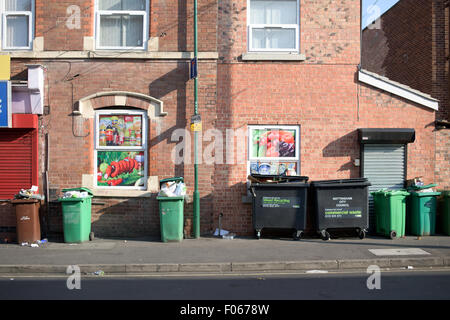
(411,46)
(305,79)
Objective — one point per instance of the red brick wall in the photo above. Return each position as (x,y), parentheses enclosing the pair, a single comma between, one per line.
(412,47)
(401,48)
(320,94)
(170,20)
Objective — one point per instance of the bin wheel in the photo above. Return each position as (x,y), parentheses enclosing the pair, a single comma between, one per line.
(91,236)
(298,235)
(393,234)
(325,235)
(362,234)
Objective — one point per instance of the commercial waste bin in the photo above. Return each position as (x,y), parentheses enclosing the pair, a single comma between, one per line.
(390,212)
(76,213)
(445,213)
(27,220)
(171,214)
(421,212)
(341,204)
(280,203)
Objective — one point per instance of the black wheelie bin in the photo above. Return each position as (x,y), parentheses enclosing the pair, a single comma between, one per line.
(279,202)
(341,205)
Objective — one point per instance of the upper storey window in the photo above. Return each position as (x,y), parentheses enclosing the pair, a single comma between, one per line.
(17,24)
(273,25)
(121,24)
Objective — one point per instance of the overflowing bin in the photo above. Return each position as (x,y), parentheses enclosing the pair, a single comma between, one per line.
(390,212)
(76,211)
(171,214)
(341,204)
(421,212)
(279,202)
(27,220)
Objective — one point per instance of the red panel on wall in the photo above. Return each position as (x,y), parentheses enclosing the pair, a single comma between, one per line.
(17,161)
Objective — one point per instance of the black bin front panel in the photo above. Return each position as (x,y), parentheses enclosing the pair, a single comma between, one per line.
(341,207)
(279,207)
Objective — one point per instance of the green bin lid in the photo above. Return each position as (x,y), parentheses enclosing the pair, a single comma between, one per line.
(82,189)
(425,194)
(171,179)
(169,198)
(431,185)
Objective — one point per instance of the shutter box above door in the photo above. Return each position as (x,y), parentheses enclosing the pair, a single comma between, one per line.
(386,136)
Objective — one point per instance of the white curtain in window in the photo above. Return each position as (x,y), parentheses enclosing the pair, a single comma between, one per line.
(268,38)
(137,5)
(121,31)
(273,11)
(17,31)
(18,5)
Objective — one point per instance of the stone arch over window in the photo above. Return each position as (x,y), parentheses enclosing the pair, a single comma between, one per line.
(88,105)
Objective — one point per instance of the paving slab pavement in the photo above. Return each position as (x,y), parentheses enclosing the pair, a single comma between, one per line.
(210,254)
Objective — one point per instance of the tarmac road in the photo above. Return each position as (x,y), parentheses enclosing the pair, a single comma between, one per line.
(406,284)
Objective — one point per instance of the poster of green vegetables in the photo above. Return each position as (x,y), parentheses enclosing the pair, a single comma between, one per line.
(273,143)
(120,168)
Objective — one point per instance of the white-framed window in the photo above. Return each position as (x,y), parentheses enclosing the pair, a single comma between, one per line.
(120,144)
(121,24)
(273,25)
(274,149)
(17,24)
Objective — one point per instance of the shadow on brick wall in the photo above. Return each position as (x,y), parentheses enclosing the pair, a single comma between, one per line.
(345,147)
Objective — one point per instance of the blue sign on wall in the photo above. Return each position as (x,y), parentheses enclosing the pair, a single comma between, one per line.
(5,104)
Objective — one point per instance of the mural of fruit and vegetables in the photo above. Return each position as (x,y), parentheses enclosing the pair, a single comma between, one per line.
(116,168)
(120,130)
(273,143)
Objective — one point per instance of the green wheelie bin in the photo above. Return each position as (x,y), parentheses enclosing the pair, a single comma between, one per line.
(171,215)
(390,212)
(77,216)
(421,212)
(445,213)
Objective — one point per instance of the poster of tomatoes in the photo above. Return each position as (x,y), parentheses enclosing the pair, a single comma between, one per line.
(273,143)
(120,168)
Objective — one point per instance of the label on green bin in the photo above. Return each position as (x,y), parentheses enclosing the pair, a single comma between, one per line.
(280,202)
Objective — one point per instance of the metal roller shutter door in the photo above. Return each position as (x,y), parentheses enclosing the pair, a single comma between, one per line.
(384,165)
(16,161)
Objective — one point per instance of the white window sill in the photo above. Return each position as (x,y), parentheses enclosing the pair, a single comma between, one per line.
(111,55)
(271,56)
(152,188)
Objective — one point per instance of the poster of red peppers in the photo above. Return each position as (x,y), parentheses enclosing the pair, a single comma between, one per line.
(120,168)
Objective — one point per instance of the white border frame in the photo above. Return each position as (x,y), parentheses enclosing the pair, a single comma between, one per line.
(31,18)
(143,148)
(250,28)
(145,26)
(296,159)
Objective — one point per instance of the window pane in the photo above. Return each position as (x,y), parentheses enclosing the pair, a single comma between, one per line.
(120,31)
(120,130)
(273,38)
(121,5)
(120,168)
(17,31)
(273,12)
(18,5)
